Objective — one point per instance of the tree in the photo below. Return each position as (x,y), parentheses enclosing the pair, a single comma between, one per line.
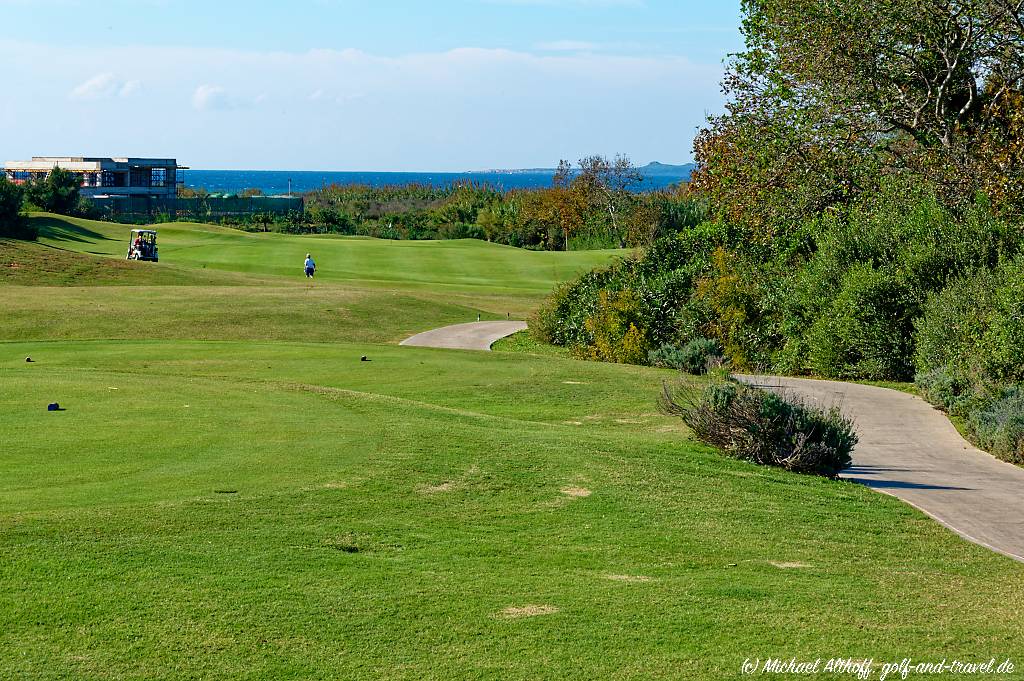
(606,185)
(263,219)
(829,96)
(58,193)
(12,222)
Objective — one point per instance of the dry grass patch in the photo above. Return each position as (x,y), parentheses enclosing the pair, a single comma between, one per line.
(518,612)
(437,489)
(788,565)
(628,578)
(576,492)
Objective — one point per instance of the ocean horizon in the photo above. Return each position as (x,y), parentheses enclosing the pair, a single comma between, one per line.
(276,182)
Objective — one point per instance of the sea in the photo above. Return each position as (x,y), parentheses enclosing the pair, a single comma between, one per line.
(276,182)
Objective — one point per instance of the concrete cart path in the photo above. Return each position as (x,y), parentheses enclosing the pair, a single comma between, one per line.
(910,450)
(472,336)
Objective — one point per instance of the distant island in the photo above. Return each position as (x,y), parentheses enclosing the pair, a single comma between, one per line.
(655,169)
(652,169)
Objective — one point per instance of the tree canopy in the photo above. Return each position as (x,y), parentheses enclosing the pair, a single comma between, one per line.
(830,97)
(12,222)
(58,193)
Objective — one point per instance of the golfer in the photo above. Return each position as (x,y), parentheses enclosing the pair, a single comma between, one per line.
(310,266)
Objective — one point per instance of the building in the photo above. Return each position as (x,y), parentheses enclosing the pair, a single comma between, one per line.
(149,178)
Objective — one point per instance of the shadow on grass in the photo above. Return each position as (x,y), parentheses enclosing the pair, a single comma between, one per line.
(60,229)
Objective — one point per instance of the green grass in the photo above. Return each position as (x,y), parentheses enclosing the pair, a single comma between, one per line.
(464,265)
(525,343)
(232,493)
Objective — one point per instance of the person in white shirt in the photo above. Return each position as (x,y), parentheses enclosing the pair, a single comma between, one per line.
(310,266)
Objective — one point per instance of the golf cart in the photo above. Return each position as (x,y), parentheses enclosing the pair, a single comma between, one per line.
(143,245)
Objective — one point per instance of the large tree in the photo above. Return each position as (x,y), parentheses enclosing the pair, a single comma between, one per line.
(829,96)
(12,222)
(58,193)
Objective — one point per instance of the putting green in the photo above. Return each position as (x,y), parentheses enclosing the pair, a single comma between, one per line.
(232,493)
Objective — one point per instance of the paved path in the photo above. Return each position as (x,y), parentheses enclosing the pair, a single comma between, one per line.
(472,336)
(910,450)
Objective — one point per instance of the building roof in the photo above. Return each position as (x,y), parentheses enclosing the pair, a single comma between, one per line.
(90,163)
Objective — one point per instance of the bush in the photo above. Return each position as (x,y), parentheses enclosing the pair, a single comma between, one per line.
(765,428)
(950,330)
(975,328)
(941,387)
(1003,343)
(614,329)
(998,425)
(85,208)
(660,280)
(696,357)
(666,357)
(867,331)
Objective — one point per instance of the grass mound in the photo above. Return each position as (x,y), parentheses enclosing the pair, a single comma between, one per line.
(25,263)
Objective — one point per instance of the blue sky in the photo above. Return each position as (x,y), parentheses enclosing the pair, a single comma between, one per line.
(360,84)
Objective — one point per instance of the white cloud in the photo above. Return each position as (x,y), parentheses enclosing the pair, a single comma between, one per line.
(211,98)
(105,86)
(316,95)
(130,88)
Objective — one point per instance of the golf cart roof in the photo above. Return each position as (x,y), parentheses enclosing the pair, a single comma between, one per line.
(143,231)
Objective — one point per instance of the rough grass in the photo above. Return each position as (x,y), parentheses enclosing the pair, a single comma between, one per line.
(525,343)
(214,504)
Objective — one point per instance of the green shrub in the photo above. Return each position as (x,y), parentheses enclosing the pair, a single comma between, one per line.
(950,330)
(661,281)
(1002,346)
(942,388)
(617,338)
(975,328)
(867,330)
(765,427)
(694,357)
(906,236)
(998,424)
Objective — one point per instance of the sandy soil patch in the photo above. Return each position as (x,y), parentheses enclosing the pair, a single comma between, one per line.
(514,612)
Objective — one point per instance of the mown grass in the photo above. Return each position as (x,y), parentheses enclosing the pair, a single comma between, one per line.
(525,343)
(232,493)
(464,265)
